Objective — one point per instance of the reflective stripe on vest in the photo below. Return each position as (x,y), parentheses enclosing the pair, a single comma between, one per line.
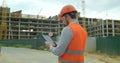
(67,61)
(75,51)
(72,52)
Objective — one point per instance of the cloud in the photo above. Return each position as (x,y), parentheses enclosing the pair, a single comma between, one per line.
(113,13)
(94,8)
(107,14)
(22,4)
(102,5)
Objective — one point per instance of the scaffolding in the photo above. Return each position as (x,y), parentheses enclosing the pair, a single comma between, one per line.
(3,25)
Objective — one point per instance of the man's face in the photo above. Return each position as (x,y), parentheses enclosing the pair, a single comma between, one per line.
(65,20)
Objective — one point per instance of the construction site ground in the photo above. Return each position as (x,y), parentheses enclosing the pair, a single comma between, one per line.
(25,55)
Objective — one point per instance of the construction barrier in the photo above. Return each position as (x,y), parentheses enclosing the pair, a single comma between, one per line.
(37,43)
(110,45)
(33,43)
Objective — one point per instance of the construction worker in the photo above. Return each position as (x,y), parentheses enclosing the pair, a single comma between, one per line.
(71,46)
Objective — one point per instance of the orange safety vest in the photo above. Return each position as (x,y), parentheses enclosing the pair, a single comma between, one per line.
(75,50)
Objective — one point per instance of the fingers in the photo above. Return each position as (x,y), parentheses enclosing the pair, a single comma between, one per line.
(47,44)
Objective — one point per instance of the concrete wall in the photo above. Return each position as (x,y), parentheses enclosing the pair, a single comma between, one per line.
(91,44)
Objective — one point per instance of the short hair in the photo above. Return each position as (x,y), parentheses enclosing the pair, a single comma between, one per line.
(73,14)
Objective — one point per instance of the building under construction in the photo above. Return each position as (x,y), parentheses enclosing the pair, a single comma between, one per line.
(101,28)
(21,26)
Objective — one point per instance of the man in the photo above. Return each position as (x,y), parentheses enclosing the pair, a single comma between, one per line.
(71,45)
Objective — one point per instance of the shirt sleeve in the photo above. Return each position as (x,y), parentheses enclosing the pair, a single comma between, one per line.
(65,39)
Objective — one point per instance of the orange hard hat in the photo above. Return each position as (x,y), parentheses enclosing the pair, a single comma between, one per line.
(67,9)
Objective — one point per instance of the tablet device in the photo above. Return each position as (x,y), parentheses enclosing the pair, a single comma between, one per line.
(47,38)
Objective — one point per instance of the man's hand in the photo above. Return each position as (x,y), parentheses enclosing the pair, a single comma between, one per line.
(56,43)
(47,44)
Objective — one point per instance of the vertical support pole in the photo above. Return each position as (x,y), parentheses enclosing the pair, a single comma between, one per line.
(107,26)
(113,28)
(103,28)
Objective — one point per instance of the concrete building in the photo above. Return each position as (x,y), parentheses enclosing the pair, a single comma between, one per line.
(101,28)
(21,26)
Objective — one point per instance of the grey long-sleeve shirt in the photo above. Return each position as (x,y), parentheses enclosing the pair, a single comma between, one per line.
(65,39)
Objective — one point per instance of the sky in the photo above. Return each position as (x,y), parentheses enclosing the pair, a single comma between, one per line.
(105,9)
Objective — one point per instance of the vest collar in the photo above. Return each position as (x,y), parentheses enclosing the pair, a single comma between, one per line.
(74,22)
